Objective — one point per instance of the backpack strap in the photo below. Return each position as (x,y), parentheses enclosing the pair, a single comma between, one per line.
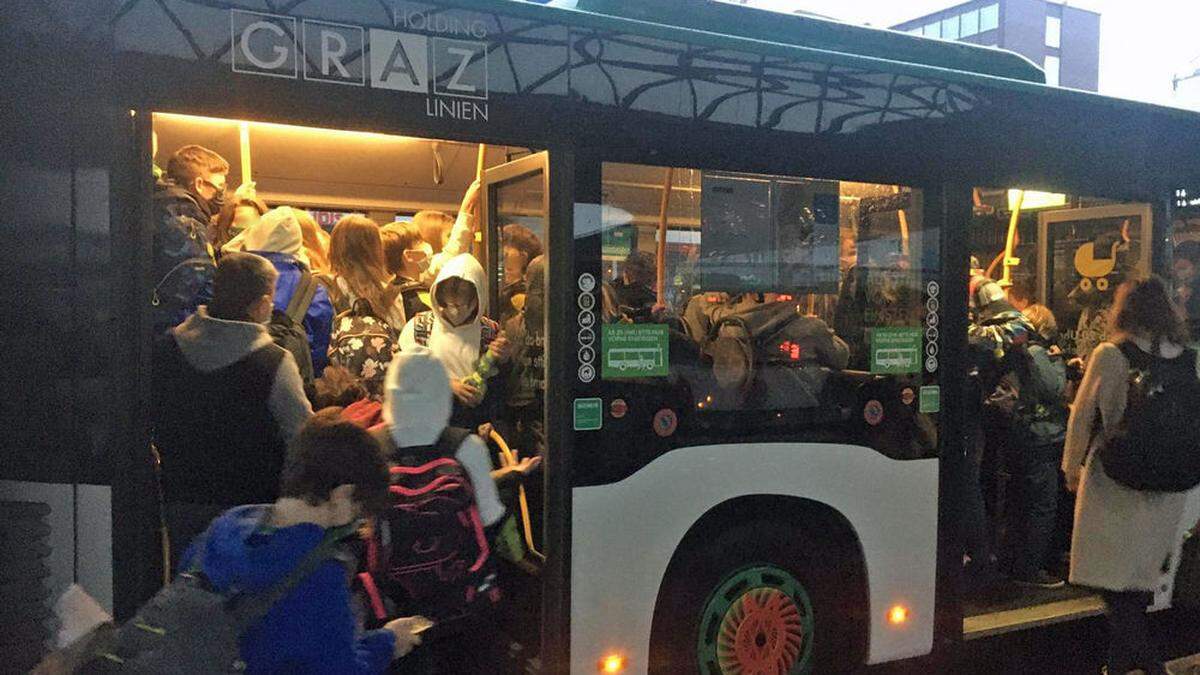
(302,297)
(451,440)
(249,610)
(422,328)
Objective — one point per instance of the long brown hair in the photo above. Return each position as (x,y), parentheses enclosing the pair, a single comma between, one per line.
(1144,307)
(316,242)
(356,255)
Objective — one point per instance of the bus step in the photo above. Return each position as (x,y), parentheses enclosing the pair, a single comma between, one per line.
(1022,618)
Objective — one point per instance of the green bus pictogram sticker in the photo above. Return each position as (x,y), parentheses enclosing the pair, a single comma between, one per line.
(634,350)
(931,399)
(896,350)
(589,414)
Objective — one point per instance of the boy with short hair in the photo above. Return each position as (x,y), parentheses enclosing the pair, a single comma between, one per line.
(335,476)
(408,257)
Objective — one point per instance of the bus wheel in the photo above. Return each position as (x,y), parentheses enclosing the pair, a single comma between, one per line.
(759,620)
(758,599)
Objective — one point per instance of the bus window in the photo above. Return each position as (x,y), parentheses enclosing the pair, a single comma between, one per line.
(772,304)
(1185,258)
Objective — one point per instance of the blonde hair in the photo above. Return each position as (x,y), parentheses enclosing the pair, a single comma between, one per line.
(1042,319)
(356,255)
(434,226)
(316,241)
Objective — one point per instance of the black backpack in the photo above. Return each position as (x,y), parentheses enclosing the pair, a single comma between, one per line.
(287,327)
(1156,447)
(429,553)
(189,627)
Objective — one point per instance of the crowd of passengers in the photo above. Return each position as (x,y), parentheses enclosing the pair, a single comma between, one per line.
(1039,504)
(264,318)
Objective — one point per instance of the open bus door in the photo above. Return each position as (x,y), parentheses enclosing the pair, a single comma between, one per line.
(518,193)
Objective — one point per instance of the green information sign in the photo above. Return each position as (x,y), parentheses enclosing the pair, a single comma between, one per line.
(931,399)
(896,350)
(617,242)
(589,414)
(634,350)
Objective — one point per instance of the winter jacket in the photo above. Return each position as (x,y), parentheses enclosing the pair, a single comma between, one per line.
(1124,539)
(312,628)
(227,400)
(318,321)
(183,260)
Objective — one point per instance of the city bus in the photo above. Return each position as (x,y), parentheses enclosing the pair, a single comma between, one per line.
(756,228)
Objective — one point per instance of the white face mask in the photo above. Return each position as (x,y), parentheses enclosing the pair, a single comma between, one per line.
(420,255)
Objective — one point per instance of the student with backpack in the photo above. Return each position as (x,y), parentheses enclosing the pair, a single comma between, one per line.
(469,345)
(1133,453)
(430,552)
(1037,428)
(303,315)
(265,590)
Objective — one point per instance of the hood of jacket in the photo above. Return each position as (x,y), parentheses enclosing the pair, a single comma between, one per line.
(278,231)
(211,344)
(457,347)
(240,552)
(416,399)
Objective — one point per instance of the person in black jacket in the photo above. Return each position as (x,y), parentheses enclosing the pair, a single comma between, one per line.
(227,400)
(185,202)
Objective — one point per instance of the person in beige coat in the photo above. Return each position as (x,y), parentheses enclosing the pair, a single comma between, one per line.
(1124,539)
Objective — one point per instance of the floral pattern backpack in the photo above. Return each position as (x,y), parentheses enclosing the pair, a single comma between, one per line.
(363,343)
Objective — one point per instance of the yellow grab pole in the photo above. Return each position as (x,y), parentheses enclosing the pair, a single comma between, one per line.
(1011,242)
(660,257)
(244,147)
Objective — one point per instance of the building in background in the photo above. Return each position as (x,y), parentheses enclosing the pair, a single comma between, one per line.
(1063,40)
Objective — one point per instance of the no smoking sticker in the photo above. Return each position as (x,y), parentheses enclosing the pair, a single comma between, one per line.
(873,412)
(665,422)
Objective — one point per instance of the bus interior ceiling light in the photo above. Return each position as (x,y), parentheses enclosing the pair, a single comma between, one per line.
(1035,200)
(273,126)
(613,663)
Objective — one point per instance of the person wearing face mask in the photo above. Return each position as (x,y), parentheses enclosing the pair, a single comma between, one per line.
(227,400)
(185,204)
(408,257)
(335,475)
(457,334)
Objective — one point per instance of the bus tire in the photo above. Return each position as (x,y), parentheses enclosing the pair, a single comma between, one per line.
(762,595)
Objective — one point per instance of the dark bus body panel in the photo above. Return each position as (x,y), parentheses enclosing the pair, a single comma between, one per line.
(75,238)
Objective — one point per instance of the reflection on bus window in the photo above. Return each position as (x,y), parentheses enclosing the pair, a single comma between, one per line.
(770,296)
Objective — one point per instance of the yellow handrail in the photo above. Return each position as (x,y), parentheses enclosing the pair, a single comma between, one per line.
(509,458)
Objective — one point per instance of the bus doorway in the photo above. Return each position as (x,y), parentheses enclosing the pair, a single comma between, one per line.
(1047,265)
(413,191)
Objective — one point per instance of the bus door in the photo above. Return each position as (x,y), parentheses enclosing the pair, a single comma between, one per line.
(514,223)
(515,193)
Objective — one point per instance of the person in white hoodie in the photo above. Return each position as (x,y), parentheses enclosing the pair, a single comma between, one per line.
(457,334)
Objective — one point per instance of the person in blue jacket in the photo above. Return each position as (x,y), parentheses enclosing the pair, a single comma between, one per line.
(277,236)
(335,475)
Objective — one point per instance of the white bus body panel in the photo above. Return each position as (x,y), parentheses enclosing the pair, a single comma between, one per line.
(624,534)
